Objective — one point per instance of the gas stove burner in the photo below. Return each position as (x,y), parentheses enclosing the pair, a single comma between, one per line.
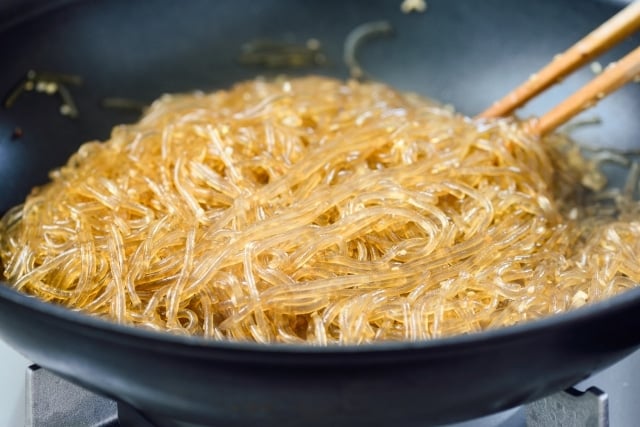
(53,401)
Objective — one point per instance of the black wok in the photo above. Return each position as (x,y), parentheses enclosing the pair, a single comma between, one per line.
(463,52)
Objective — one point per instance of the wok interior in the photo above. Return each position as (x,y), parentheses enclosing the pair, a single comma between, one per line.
(177,65)
(466,68)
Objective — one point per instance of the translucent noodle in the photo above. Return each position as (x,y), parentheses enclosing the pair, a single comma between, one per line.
(322,212)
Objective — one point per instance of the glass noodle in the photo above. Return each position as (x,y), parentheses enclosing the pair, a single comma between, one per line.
(317,211)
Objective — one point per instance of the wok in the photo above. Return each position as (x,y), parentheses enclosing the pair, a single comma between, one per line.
(463,52)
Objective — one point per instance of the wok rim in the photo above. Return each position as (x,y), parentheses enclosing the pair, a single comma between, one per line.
(142,336)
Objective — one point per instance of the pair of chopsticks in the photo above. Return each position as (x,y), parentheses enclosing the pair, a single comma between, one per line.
(614,76)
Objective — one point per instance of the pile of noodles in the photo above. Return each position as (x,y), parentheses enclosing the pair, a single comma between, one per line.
(317,211)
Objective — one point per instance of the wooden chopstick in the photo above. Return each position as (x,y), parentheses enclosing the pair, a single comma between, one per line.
(616,75)
(616,29)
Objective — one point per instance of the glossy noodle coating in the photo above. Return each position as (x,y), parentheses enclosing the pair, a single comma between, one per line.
(318,211)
